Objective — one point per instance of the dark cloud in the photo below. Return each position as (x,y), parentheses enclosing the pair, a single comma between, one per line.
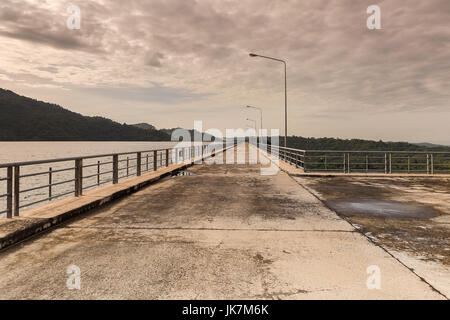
(154,59)
(156,93)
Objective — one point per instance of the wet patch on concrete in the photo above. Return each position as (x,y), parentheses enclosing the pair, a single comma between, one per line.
(422,238)
(403,214)
(381,209)
(279,207)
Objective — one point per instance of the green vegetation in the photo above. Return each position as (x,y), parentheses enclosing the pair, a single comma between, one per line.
(25,119)
(354,145)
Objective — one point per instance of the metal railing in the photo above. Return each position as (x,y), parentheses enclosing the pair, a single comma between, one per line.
(77,174)
(386,162)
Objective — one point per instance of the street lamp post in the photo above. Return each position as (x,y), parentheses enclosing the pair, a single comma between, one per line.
(260,110)
(285,91)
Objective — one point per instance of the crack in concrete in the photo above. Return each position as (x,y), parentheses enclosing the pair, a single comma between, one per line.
(207,229)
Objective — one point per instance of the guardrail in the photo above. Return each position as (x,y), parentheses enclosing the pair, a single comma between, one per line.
(77,174)
(387,162)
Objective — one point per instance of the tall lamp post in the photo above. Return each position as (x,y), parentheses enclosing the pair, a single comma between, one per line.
(285,91)
(260,110)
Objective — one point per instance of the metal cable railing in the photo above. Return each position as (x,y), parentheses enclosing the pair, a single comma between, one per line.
(74,175)
(387,162)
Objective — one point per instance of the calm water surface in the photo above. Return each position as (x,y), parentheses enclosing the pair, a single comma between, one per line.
(31,151)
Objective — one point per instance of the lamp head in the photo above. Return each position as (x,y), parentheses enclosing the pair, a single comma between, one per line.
(253,55)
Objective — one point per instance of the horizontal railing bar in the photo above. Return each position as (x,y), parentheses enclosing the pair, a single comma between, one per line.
(96,164)
(281,148)
(129,159)
(45,172)
(91,176)
(46,199)
(35,202)
(27,163)
(35,188)
(105,172)
(47,185)
(145,156)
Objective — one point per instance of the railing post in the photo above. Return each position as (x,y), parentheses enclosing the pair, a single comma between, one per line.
(49,183)
(146,163)
(16,190)
(409,163)
(432,164)
(390,162)
(304,161)
(167,157)
(138,163)
(9,191)
(78,177)
(115,169)
(367,163)
(128,165)
(385,163)
(98,173)
(344,162)
(155,160)
(348,162)
(428,163)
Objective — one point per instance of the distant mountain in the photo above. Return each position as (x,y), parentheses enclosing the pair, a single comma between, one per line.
(206,137)
(26,119)
(144,126)
(429,145)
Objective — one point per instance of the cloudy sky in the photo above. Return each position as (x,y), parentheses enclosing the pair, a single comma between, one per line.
(170,62)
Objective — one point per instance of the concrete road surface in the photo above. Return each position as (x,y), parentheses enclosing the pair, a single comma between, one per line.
(225,232)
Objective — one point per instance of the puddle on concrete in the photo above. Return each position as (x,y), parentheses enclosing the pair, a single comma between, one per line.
(182,174)
(381,209)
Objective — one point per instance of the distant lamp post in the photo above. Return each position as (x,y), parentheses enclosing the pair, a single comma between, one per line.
(260,111)
(254,125)
(253,55)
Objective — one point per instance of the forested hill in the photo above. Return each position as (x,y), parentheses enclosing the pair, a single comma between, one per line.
(355,144)
(26,119)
